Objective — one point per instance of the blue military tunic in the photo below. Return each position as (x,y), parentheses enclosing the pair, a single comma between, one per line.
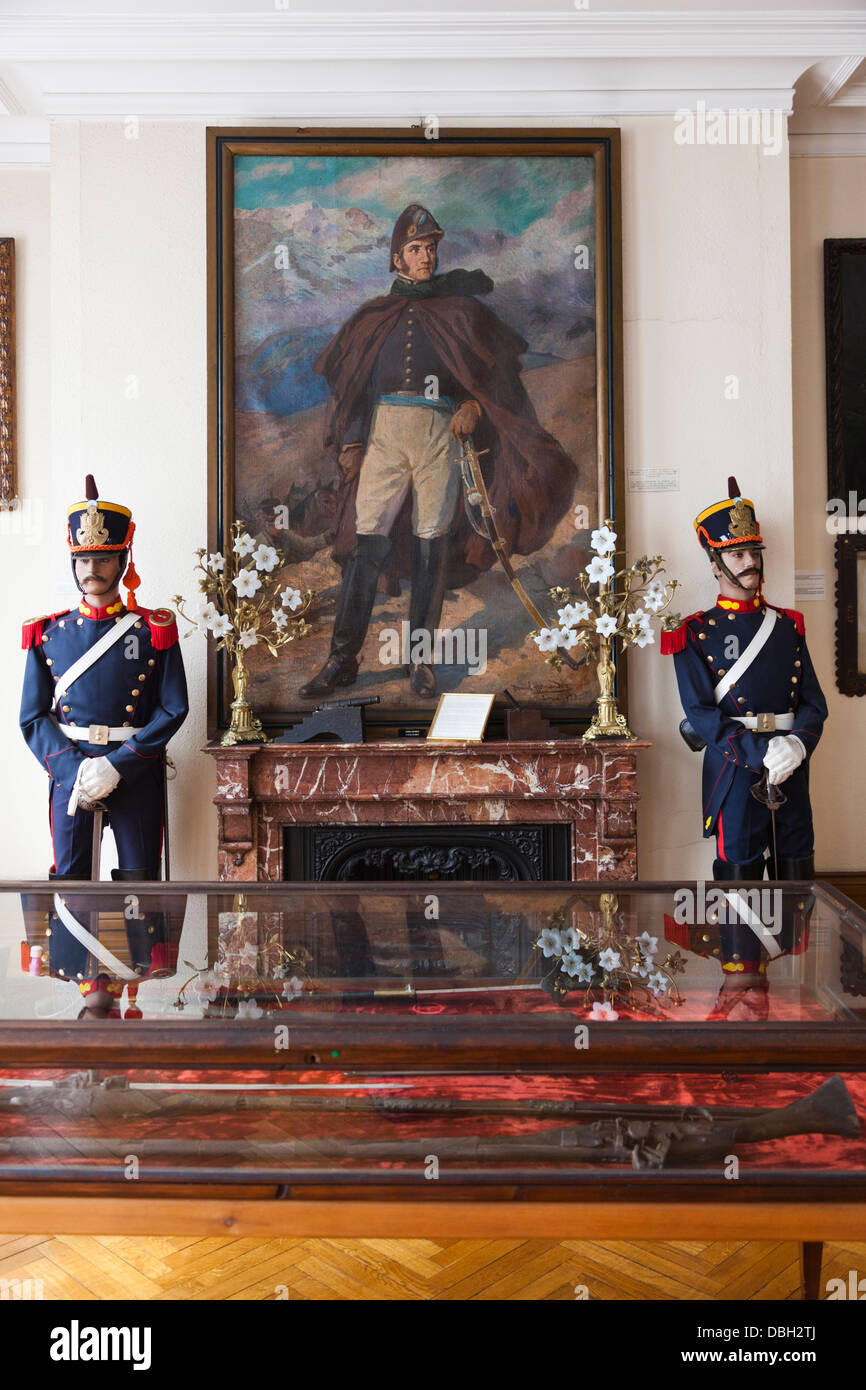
(780,680)
(139,684)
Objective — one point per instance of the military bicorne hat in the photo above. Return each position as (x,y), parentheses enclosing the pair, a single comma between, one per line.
(729,525)
(95,527)
(414,221)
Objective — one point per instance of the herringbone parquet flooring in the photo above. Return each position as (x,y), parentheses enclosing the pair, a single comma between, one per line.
(192,1268)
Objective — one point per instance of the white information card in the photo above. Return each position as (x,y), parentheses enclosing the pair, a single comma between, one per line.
(460,718)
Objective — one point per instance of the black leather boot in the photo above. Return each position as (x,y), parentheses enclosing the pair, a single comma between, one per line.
(797,868)
(354,606)
(148,929)
(429,559)
(725,872)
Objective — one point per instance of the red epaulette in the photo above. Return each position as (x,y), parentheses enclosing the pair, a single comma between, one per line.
(796,618)
(675,640)
(163,627)
(31,631)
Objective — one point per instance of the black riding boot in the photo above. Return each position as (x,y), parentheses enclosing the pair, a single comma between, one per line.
(354,606)
(429,559)
(145,930)
(797,868)
(725,872)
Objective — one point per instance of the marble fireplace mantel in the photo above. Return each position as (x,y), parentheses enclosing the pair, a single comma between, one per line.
(264,788)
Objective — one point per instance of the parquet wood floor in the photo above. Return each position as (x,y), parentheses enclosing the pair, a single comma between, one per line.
(181,1268)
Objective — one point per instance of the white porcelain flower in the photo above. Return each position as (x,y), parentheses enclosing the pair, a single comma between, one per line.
(206,987)
(603,541)
(279,617)
(248,1008)
(216,563)
(244,545)
(570,939)
(609,959)
(654,599)
(658,983)
(571,963)
(248,638)
(638,617)
(550,942)
(293,988)
(648,944)
(574,613)
(599,570)
(291,598)
(247,583)
(585,973)
(606,625)
(207,614)
(603,1013)
(568,638)
(266,558)
(645,637)
(548,639)
(221,626)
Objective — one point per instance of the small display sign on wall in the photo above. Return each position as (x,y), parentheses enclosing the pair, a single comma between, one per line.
(809,585)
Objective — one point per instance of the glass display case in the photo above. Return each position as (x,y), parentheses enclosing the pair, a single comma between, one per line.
(553,1042)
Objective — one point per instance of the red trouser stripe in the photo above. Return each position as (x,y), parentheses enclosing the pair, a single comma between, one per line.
(721,840)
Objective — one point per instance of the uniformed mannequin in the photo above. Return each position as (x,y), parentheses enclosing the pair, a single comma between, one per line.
(757,710)
(98,721)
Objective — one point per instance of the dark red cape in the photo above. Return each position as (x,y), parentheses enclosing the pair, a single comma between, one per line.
(529,476)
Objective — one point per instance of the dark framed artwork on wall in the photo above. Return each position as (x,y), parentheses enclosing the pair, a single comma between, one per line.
(845,338)
(348,374)
(851,614)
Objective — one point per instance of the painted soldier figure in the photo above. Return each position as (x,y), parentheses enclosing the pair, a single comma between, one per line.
(104,691)
(751,695)
(411,375)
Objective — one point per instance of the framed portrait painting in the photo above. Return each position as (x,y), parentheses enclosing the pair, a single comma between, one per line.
(416,397)
(845,347)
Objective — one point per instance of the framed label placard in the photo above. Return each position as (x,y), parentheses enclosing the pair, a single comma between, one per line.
(460,719)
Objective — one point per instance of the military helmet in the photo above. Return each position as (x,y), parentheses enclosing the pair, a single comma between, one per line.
(414,221)
(95,527)
(729,525)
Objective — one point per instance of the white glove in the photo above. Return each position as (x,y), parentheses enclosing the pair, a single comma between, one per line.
(783,756)
(98,778)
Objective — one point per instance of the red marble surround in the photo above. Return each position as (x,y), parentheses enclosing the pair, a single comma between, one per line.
(262,788)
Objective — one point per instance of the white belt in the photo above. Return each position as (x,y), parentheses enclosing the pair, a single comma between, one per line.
(98,733)
(766,723)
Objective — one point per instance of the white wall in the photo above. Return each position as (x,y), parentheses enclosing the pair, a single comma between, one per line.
(828,199)
(24,577)
(706,295)
(128,404)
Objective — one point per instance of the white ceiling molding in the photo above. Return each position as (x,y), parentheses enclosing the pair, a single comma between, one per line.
(829,117)
(10,103)
(302,66)
(828,144)
(375,88)
(839,77)
(337,36)
(25,140)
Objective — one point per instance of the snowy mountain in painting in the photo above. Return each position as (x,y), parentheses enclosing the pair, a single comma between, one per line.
(302,270)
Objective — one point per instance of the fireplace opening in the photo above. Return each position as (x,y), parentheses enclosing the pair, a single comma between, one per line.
(440,853)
